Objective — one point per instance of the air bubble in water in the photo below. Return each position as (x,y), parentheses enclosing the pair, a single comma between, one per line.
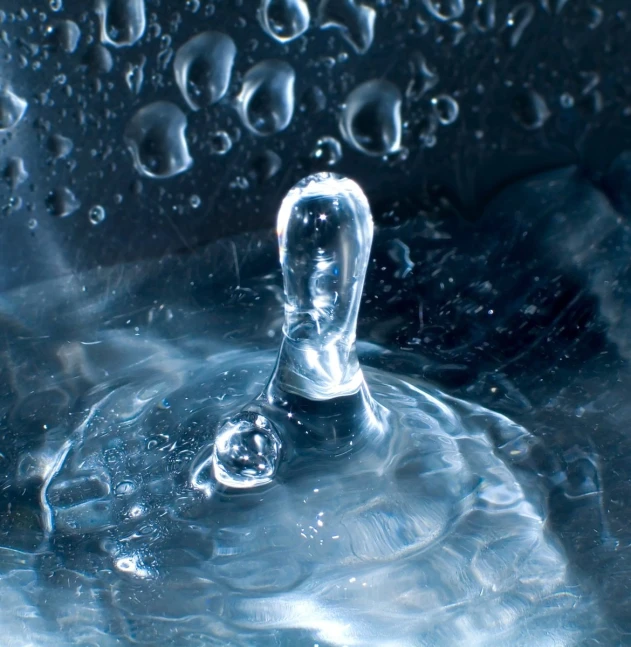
(266,101)
(356,22)
(203,67)
(123,22)
(12,109)
(96,214)
(247,450)
(530,109)
(15,172)
(62,202)
(371,119)
(328,150)
(446,109)
(220,143)
(484,15)
(284,20)
(444,10)
(517,20)
(156,138)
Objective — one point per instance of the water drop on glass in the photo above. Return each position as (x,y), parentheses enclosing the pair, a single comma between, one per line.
(265,166)
(65,34)
(246,453)
(96,214)
(15,172)
(444,10)
(424,78)
(566,100)
(328,151)
(59,146)
(56,5)
(530,109)
(123,22)
(98,59)
(62,202)
(156,138)
(266,101)
(135,75)
(445,108)
(203,67)
(220,143)
(371,118)
(355,21)
(195,201)
(32,224)
(284,20)
(484,15)
(517,20)
(12,109)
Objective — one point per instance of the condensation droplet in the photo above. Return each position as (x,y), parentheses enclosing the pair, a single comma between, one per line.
(135,75)
(530,110)
(98,60)
(284,20)
(265,166)
(195,201)
(15,172)
(424,78)
(371,119)
(446,109)
(266,101)
(444,10)
(59,146)
(56,5)
(62,202)
(156,138)
(328,150)
(12,109)
(517,20)
(203,67)
(220,143)
(123,22)
(32,224)
(484,15)
(96,214)
(356,22)
(66,34)
(566,100)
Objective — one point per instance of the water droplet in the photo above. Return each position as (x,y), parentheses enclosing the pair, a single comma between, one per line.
(327,150)
(98,59)
(56,5)
(241,183)
(424,78)
(124,488)
(246,453)
(203,67)
(596,17)
(484,15)
(445,108)
(195,201)
(193,5)
(265,166)
(266,101)
(517,20)
(32,224)
(156,138)
(59,146)
(66,34)
(530,109)
(371,119)
(12,109)
(220,143)
(15,172)
(356,22)
(566,100)
(444,10)
(96,214)
(284,20)
(123,22)
(62,202)
(135,75)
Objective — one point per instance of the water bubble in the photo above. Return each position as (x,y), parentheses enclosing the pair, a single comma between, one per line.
(66,34)
(246,453)
(327,150)
(444,10)
(12,109)
(284,20)
(156,138)
(266,101)
(484,15)
(195,201)
(356,22)
(445,108)
(123,22)
(96,215)
(220,142)
(59,146)
(371,119)
(15,172)
(517,20)
(530,109)
(203,67)
(62,202)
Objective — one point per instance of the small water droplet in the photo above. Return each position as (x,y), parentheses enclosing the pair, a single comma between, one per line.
(220,143)
(445,108)
(265,166)
(328,151)
(266,101)
(517,20)
(195,201)
(355,21)
(530,109)
(424,78)
(59,146)
(62,202)
(66,34)
(444,10)
(246,453)
(135,75)
(156,138)
(98,59)
(32,224)
(56,5)
(371,119)
(12,109)
(203,67)
(124,488)
(123,22)
(15,172)
(484,15)
(193,5)
(566,100)
(96,214)
(284,20)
